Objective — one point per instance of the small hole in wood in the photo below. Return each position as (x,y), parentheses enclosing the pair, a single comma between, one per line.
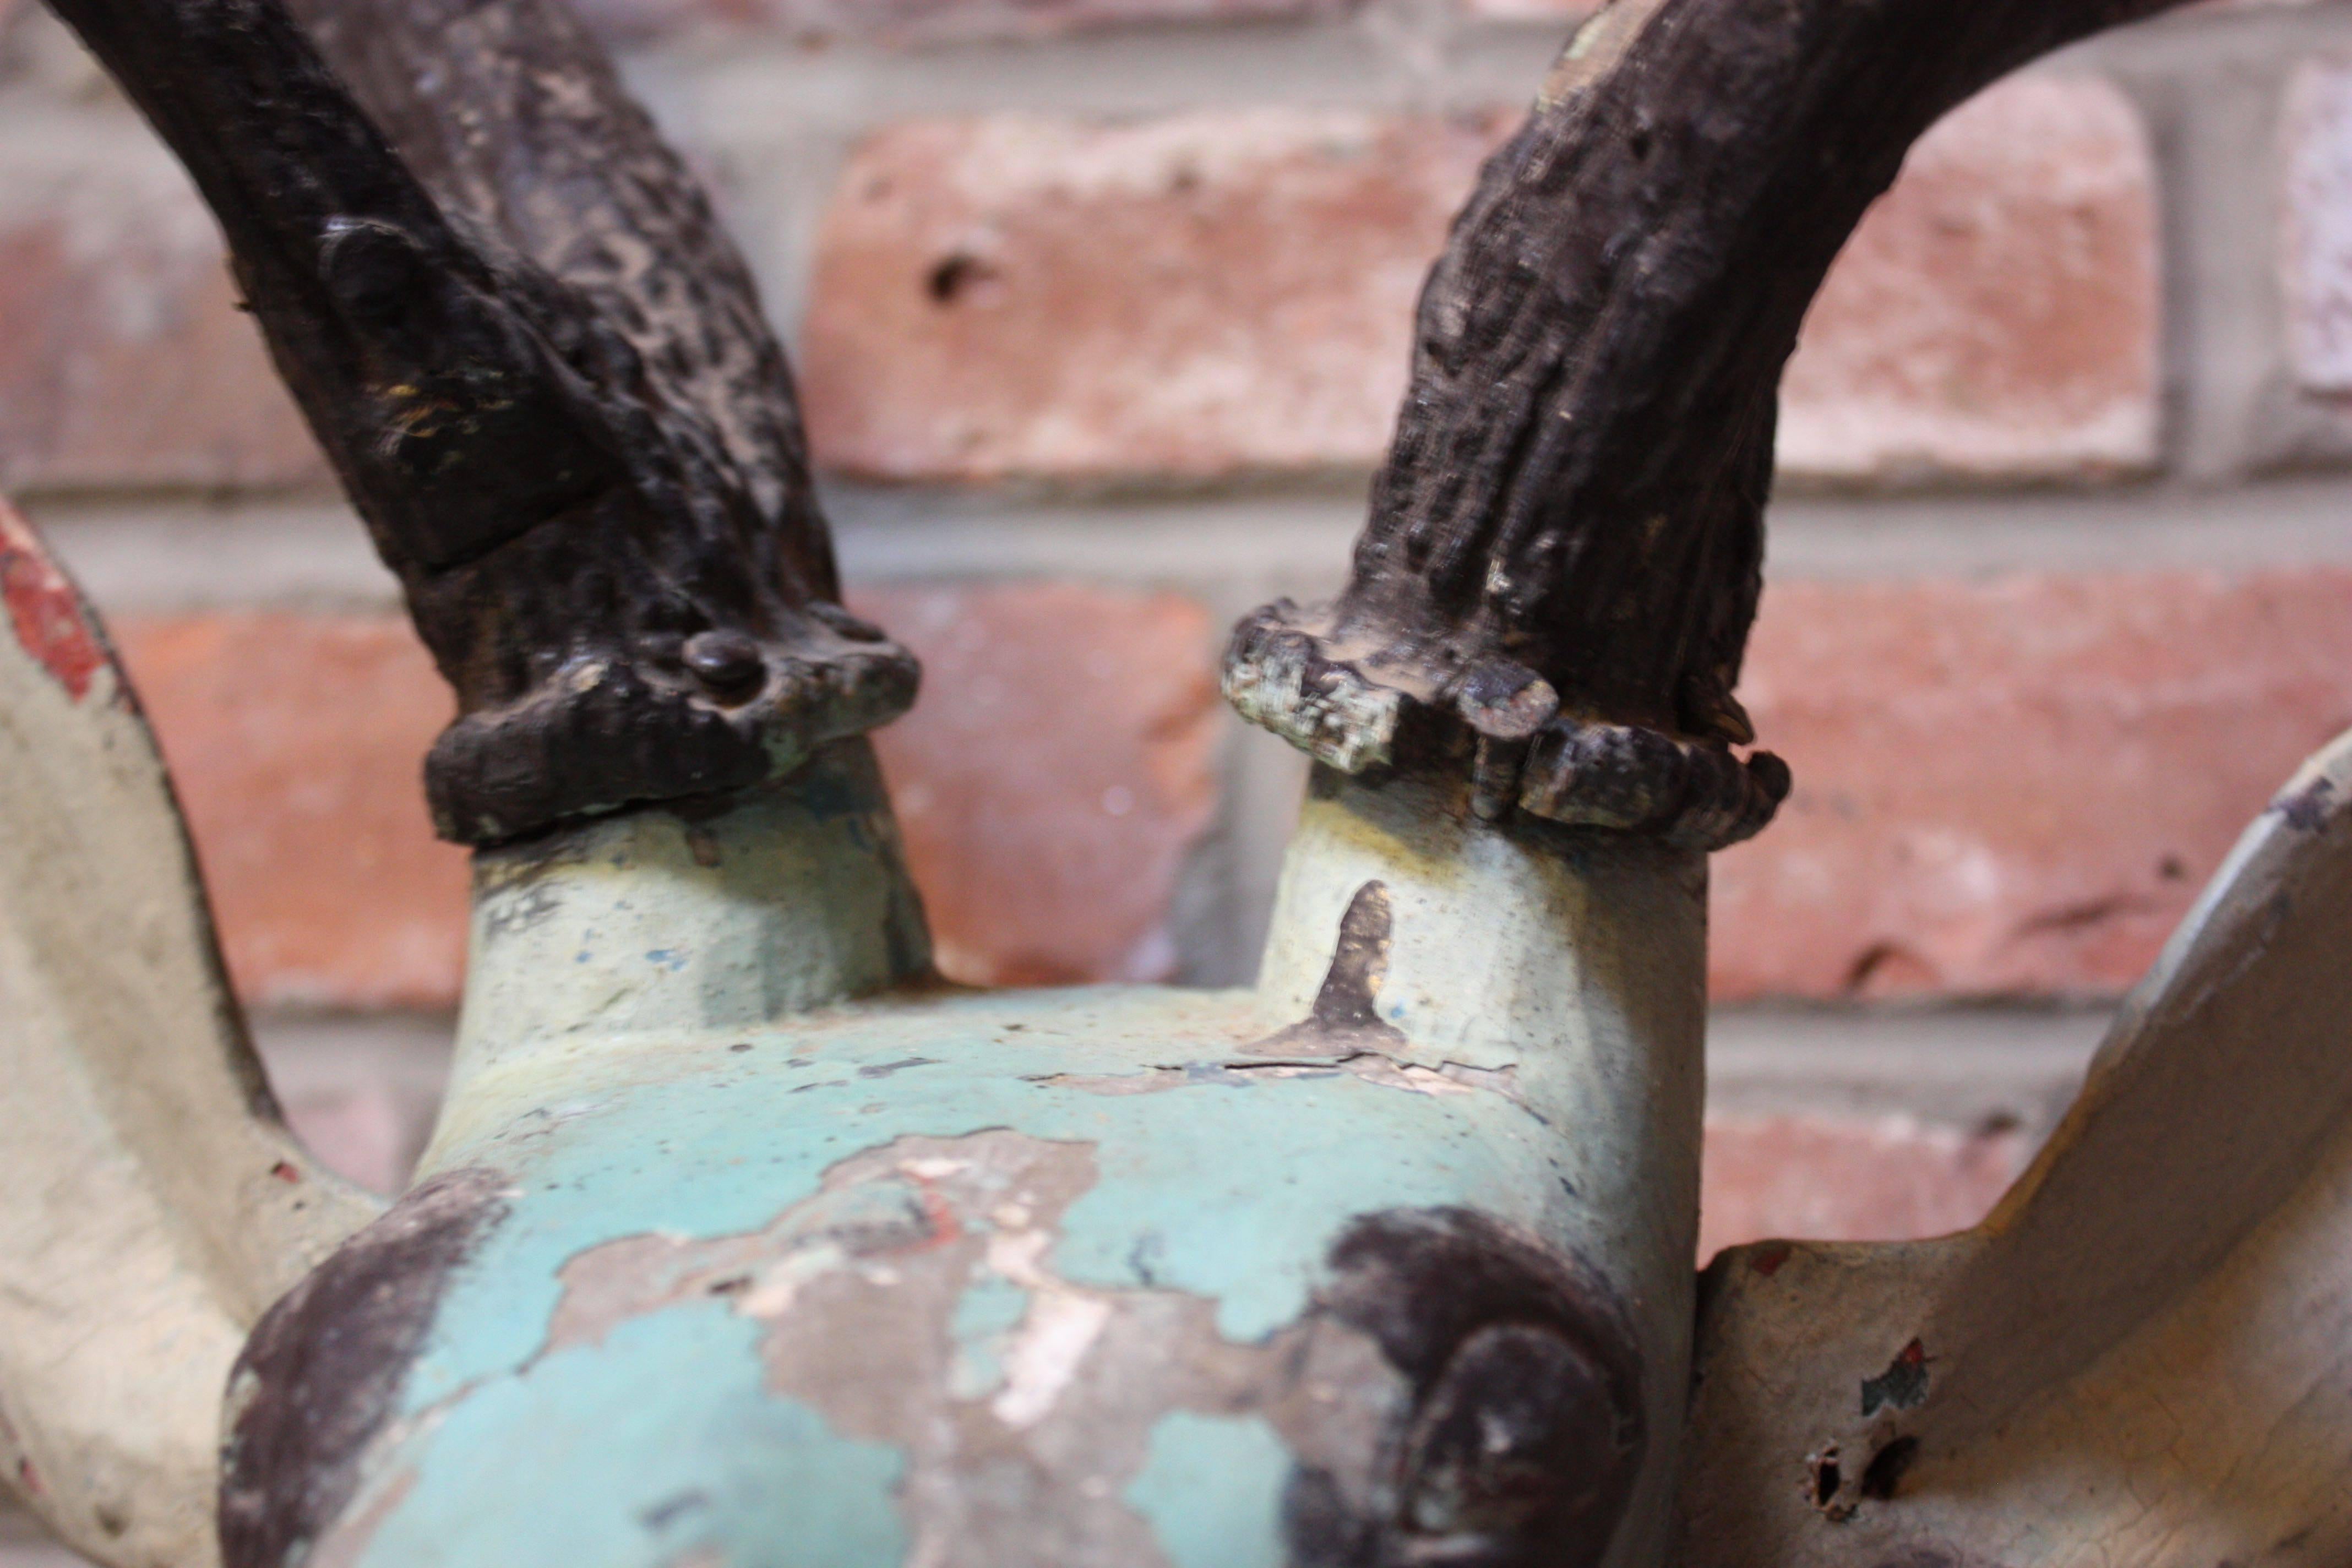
(1885,1473)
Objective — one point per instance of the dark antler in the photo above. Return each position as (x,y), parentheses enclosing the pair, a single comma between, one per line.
(542,373)
(1563,557)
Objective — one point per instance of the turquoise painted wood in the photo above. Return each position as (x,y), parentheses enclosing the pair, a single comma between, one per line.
(741,1241)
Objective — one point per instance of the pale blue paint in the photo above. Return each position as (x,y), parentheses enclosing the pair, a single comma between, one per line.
(698,1075)
(989,1310)
(695,1139)
(637,1451)
(1235,1459)
(723,1153)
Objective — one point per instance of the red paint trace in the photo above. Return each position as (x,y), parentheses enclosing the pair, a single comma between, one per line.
(46,612)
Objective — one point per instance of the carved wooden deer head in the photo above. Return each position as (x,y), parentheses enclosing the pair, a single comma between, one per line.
(744,1240)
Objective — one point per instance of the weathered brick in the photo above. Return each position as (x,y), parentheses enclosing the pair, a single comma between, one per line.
(1053,773)
(1212,293)
(1020,294)
(2015,785)
(2315,231)
(1531,10)
(359,1131)
(1997,312)
(296,742)
(1050,780)
(1824,1179)
(124,362)
(929,21)
(361,1090)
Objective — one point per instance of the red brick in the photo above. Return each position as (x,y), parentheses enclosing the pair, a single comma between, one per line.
(1996,313)
(2316,236)
(1532,10)
(2015,785)
(1820,1179)
(1056,769)
(929,21)
(1213,293)
(124,362)
(1050,781)
(296,744)
(1190,296)
(361,1130)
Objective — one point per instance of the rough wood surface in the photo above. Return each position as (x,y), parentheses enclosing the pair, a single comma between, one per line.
(2141,1356)
(1563,556)
(154,1205)
(541,373)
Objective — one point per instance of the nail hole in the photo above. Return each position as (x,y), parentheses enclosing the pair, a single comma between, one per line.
(1827,1477)
(1885,1473)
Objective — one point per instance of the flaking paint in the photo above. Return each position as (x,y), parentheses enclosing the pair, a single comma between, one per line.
(768,1218)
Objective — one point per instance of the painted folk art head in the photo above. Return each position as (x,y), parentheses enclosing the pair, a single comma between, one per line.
(744,1240)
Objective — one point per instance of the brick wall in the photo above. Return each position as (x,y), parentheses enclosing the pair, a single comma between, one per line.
(1100,309)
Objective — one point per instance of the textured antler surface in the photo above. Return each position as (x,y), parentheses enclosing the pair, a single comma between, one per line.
(542,374)
(1563,555)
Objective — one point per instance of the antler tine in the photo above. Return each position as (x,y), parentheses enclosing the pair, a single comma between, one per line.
(542,374)
(511,114)
(1564,553)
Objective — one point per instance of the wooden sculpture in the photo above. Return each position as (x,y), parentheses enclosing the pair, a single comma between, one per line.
(743,1240)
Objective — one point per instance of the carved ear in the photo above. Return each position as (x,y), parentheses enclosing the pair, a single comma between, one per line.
(156,1204)
(2145,1345)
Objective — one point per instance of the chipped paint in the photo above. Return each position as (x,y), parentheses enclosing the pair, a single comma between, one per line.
(914,1254)
(1345,1017)
(46,613)
(985,1270)
(2139,1355)
(157,1204)
(318,1376)
(905,1258)
(729,1253)
(1901,1386)
(642,1449)
(1045,1354)
(1567,965)
(1372,1067)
